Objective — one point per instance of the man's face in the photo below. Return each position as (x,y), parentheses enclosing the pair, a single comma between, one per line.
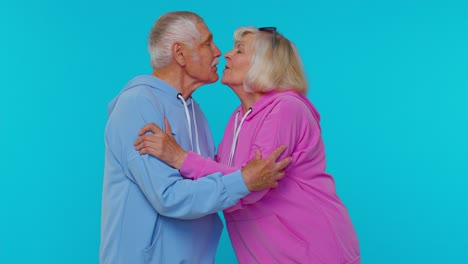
(201,65)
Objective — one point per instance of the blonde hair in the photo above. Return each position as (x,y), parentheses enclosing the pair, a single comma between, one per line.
(169,28)
(272,68)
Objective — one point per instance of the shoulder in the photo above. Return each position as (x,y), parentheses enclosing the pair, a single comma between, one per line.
(137,92)
(138,99)
(142,95)
(291,102)
(293,108)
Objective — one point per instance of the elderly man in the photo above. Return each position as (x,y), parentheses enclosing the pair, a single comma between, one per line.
(150,214)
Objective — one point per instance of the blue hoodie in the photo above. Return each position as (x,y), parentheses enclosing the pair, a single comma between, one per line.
(150,214)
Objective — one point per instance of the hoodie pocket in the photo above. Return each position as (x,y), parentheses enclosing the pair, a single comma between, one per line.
(158,225)
(267,240)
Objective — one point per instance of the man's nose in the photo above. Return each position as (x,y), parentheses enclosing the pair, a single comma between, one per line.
(216,52)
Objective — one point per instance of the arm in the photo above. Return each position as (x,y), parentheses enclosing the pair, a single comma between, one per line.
(196,166)
(275,129)
(163,186)
(165,189)
(163,145)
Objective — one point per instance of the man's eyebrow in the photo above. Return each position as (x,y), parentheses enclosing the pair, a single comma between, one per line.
(210,37)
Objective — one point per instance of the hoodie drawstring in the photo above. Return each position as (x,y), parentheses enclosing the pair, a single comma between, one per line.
(236,134)
(180,97)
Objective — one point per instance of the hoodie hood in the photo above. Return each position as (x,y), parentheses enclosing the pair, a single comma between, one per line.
(270,97)
(148,81)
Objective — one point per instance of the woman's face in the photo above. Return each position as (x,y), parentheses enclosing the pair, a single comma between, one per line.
(238,62)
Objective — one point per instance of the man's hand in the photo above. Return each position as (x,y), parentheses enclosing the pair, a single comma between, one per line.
(260,174)
(160,144)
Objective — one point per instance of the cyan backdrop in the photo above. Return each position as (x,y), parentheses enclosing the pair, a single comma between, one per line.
(390,79)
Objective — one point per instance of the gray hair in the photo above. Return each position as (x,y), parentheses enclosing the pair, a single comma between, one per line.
(169,28)
(272,68)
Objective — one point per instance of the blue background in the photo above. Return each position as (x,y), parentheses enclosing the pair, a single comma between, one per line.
(390,79)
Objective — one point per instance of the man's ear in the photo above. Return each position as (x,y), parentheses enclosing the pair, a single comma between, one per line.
(178,53)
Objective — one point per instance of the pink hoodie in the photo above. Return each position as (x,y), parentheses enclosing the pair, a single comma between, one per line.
(302,220)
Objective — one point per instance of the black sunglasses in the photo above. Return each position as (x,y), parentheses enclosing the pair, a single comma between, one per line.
(271,30)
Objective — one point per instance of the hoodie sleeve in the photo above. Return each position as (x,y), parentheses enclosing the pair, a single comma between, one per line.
(196,166)
(163,186)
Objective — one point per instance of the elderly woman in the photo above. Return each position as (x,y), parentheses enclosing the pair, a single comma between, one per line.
(302,220)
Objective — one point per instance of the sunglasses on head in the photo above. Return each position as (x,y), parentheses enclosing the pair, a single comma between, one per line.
(270,30)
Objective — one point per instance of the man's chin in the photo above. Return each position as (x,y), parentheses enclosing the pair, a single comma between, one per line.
(210,80)
(214,79)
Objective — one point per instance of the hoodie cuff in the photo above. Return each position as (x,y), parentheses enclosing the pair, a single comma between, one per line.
(192,166)
(235,186)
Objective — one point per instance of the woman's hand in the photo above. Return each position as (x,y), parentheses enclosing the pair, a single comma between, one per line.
(160,144)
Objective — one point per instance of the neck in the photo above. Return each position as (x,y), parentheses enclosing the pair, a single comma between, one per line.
(177,79)
(247,99)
